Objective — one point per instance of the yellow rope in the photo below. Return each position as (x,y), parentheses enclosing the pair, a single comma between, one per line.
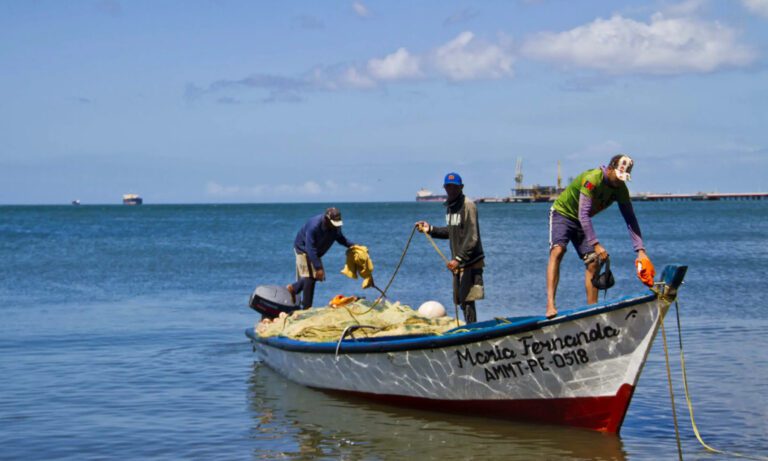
(690,403)
(445,260)
(429,237)
(669,381)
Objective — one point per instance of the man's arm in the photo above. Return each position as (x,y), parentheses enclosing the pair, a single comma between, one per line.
(310,241)
(438,232)
(585,209)
(342,239)
(628,212)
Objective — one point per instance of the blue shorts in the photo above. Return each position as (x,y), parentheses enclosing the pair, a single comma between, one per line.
(563,230)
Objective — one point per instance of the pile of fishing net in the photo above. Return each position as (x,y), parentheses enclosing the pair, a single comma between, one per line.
(326,324)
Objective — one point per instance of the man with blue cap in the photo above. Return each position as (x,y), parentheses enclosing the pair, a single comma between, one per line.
(463,231)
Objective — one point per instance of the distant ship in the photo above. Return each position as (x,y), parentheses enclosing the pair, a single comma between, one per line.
(424,195)
(76,202)
(132,199)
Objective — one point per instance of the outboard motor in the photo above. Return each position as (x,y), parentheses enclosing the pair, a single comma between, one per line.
(271,300)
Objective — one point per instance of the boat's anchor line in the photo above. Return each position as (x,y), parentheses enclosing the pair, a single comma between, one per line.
(688,394)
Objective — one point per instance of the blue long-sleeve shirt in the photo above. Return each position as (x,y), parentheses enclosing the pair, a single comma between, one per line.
(315,239)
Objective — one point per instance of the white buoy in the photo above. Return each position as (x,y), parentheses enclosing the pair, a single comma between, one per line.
(432,310)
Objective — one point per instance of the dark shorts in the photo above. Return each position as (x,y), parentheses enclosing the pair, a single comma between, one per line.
(563,230)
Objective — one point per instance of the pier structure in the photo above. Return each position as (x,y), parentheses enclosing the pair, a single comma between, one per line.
(701,196)
(538,193)
(534,193)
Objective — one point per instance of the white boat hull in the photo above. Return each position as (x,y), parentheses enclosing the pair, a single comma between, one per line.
(579,369)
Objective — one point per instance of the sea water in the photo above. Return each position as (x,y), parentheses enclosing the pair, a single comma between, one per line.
(122,332)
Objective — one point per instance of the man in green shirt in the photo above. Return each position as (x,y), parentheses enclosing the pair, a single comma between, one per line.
(570,220)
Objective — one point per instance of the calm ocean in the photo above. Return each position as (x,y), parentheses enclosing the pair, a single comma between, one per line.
(122,332)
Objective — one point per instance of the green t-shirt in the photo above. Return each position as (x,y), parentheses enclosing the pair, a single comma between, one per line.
(591,184)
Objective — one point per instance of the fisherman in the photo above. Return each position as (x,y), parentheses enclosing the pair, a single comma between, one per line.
(570,220)
(467,258)
(312,242)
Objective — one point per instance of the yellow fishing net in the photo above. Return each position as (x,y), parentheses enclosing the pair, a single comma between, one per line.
(323,324)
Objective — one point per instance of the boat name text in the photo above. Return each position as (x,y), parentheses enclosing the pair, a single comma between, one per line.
(564,351)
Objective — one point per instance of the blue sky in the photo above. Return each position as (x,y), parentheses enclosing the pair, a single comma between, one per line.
(224,101)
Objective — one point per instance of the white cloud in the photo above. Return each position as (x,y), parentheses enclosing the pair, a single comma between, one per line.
(465,58)
(361,10)
(757,6)
(398,65)
(357,79)
(462,58)
(665,46)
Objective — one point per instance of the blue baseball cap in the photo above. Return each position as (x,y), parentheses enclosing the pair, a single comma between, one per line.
(453,178)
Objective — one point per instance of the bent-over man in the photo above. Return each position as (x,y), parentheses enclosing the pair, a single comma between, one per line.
(312,242)
(570,220)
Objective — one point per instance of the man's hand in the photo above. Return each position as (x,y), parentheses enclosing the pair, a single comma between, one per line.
(601,253)
(645,270)
(422,226)
(453,265)
(320,274)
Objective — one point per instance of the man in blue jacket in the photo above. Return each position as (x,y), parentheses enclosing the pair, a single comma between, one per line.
(312,242)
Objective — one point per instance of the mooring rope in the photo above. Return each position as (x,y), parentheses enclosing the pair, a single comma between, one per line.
(669,381)
(690,402)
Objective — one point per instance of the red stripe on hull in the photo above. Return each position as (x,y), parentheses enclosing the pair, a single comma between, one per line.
(605,414)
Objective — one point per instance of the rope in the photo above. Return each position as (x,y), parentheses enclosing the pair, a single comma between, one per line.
(394,274)
(669,381)
(391,279)
(445,260)
(688,397)
(434,245)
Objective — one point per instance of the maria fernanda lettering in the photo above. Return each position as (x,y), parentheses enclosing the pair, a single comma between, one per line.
(525,357)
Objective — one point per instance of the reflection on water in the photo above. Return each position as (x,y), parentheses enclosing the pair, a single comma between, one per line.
(299,423)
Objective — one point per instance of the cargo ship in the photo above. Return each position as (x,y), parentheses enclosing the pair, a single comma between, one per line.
(424,195)
(132,199)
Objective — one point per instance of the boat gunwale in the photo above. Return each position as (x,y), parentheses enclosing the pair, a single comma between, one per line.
(474,334)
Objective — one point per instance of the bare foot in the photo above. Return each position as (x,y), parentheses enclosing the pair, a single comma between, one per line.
(551,312)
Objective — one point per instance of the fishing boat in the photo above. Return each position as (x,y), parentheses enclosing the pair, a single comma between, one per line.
(578,369)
